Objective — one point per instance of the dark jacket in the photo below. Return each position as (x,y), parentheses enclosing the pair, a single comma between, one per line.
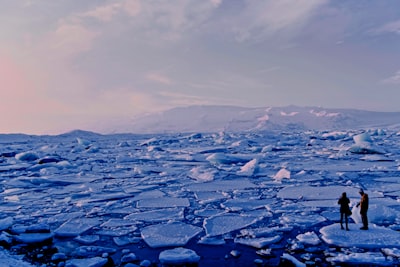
(344,205)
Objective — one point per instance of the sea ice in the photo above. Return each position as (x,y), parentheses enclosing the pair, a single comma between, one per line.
(165,214)
(369,258)
(163,202)
(249,169)
(310,238)
(226,223)
(76,227)
(169,234)
(260,242)
(178,256)
(31,238)
(375,237)
(90,262)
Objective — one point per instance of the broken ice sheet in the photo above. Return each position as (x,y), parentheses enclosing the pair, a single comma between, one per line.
(157,215)
(169,234)
(76,227)
(223,224)
(163,202)
(375,237)
(260,242)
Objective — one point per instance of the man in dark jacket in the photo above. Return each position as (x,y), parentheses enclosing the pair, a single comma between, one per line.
(363,209)
(344,202)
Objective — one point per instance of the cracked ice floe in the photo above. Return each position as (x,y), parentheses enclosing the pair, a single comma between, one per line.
(363,145)
(369,258)
(249,169)
(170,234)
(260,242)
(246,204)
(31,238)
(163,202)
(207,197)
(318,193)
(302,220)
(219,158)
(76,227)
(157,215)
(223,224)
(309,238)
(223,185)
(375,237)
(91,262)
(178,256)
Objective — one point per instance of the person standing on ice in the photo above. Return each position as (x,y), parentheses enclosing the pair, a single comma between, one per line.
(363,209)
(344,210)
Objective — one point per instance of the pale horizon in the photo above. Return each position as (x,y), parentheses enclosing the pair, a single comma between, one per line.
(73,64)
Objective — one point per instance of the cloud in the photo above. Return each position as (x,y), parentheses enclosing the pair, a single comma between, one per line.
(392,27)
(263,18)
(107,12)
(159,78)
(395,79)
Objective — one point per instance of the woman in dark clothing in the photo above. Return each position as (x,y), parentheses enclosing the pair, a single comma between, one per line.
(344,210)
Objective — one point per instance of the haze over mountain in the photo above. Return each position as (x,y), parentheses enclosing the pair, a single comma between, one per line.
(235,119)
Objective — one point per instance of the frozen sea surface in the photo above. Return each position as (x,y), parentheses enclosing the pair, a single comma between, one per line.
(205,199)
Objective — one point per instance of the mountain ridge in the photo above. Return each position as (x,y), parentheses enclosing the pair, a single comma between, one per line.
(214,118)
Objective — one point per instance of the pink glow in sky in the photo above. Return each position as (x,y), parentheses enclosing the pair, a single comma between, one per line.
(67,64)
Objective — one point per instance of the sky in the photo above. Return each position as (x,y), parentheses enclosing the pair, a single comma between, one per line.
(68,65)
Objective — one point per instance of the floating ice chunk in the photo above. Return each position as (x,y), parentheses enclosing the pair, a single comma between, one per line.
(87,239)
(362,138)
(207,197)
(93,251)
(246,204)
(249,169)
(375,237)
(293,260)
(8,260)
(223,224)
(91,262)
(163,202)
(82,142)
(201,175)
(307,192)
(392,252)
(368,258)
(6,223)
(219,158)
(149,194)
(170,234)
(364,145)
(310,238)
(335,135)
(264,231)
(281,174)
(126,240)
(223,185)
(260,242)
(302,220)
(178,256)
(115,222)
(31,238)
(76,227)
(157,215)
(27,156)
(365,148)
(212,241)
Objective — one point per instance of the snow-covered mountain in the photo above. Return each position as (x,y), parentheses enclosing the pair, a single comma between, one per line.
(234,119)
